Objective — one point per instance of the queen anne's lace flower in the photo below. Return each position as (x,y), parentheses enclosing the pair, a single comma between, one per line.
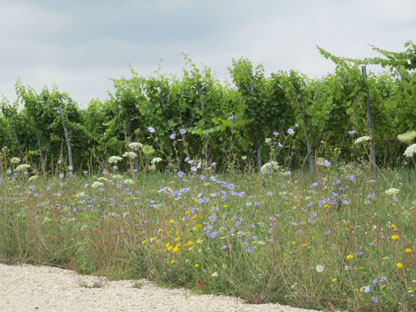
(97,184)
(130,155)
(114,159)
(22,167)
(407,137)
(410,151)
(156,160)
(128,182)
(362,139)
(392,191)
(15,160)
(135,146)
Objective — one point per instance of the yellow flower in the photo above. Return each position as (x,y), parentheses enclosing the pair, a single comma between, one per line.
(198,240)
(360,268)
(190,243)
(408,250)
(175,249)
(171,221)
(173,261)
(334,280)
(395,237)
(143,242)
(355,290)
(350,256)
(304,245)
(225,206)
(177,238)
(196,265)
(399,265)
(327,206)
(195,228)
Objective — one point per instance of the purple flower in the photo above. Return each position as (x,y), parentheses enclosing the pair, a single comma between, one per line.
(173,136)
(151,129)
(382,279)
(326,163)
(276,133)
(374,298)
(213,218)
(237,223)
(223,247)
(374,282)
(327,232)
(193,168)
(351,132)
(202,177)
(249,250)
(231,117)
(351,178)
(367,289)
(61,175)
(290,131)
(70,168)
(231,186)
(182,131)
(180,174)
(212,235)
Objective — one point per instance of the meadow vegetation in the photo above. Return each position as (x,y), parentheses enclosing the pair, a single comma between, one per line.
(338,240)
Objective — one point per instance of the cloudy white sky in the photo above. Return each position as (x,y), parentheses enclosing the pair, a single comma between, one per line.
(78,44)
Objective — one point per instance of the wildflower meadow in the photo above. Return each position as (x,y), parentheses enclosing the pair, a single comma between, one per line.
(336,241)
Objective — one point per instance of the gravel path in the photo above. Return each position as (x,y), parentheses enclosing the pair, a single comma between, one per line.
(32,288)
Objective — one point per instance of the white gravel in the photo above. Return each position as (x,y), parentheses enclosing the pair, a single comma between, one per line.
(40,288)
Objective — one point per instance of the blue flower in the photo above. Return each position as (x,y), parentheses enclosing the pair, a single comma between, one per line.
(276,133)
(173,136)
(182,131)
(180,174)
(213,218)
(151,129)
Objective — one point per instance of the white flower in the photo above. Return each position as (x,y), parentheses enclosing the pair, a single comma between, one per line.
(15,160)
(114,159)
(319,268)
(410,151)
(267,140)
(244,157)
(152,167)
(32,178)
(392,191)
(102,179)
(22,167)
(81,195)
(128,182)
(151,129)
(135,146)
(97,184)
(268,167)
(215,274)
(407,137)
(290,131)
(362,139)
(130,155)
(116,176)
(156,160)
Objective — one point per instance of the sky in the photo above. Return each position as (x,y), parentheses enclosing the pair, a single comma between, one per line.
(79,45)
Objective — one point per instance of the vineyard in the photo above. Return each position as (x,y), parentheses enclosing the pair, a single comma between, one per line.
(223,123)
(161,181)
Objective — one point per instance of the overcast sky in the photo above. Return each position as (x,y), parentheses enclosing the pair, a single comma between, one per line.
(77,45)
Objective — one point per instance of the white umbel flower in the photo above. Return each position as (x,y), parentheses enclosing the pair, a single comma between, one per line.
(319,268)
(392,191)
(410,151)
(15,160)
(114,159)
(269,166)
(135,146)
(22,167)
(33,178)
(156,160)
(362,139)
(407,137)
(130,155)
(97,184)
(128,182)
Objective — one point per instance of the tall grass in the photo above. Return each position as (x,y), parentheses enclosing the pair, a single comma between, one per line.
(337,242)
